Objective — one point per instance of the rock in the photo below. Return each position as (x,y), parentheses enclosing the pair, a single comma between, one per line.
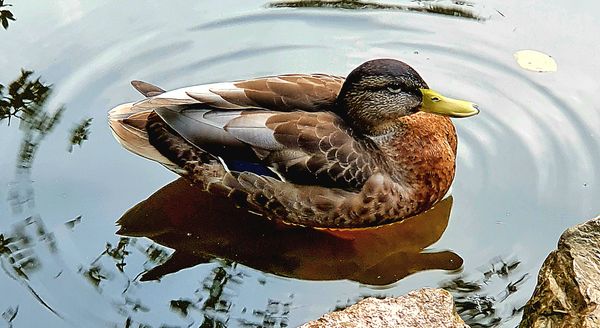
(427,307)
(568,289)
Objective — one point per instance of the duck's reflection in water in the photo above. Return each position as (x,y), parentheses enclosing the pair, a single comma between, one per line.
(200,227)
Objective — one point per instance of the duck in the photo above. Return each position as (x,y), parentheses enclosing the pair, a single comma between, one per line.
(314,150)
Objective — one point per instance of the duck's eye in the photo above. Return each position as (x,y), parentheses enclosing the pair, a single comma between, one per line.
(435,99)
(394,89)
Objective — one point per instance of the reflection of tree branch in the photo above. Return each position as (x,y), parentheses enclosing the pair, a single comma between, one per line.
(477,305)
(215,300)
(456,9)
(80,133)
(23,95)
(24,99)
(17,254)
(182,306)
(5,15)
(18,257)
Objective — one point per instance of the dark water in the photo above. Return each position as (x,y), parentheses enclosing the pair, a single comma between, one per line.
(527,166)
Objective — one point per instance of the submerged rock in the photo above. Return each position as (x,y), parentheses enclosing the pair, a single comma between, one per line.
(427,307)
(568,289)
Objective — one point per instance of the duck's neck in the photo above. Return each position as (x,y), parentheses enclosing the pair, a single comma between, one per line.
(367,115)
(421,152)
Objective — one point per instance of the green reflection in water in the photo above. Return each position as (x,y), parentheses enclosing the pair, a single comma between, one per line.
(212,300)
(18,257)
(217,305)
(16,248)
(24,99)
(5,14)
(80,133)
(456,9)
(474,301)
(96,273)
(478,300)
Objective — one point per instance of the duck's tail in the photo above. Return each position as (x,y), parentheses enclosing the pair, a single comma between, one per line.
(129,128)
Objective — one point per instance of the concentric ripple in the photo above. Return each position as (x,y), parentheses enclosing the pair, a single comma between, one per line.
(527,164)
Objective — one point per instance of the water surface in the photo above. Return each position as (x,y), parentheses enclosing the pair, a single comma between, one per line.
(527,165)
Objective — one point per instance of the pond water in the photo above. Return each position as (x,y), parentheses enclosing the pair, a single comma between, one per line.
(527,164)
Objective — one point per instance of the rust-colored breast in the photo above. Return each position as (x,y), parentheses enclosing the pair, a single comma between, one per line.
(423,155)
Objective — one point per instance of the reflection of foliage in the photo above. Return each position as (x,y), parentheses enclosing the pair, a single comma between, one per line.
(210,305)
(107,278)
(5,15)
(156,254)
(16,249)
(24,99)
(275,315)
(18,256)
(95,275)
(98,270)
(118,253)
(80,133)
(212,299)
(456,9)
(215,304)
(182,306)
(9,315)
(477,306)
(16,252)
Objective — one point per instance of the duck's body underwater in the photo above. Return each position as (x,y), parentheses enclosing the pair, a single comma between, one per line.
(314,149)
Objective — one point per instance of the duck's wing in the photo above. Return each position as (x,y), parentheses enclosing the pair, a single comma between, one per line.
(306,92)
(278,123)
(309,148)
(147,89)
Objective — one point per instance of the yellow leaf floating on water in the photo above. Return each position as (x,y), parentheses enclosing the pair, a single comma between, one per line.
(535,61)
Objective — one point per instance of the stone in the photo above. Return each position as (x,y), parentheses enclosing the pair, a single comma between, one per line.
(427,307)
(568,288)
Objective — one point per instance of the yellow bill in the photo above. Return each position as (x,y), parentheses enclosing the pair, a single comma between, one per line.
(435,103)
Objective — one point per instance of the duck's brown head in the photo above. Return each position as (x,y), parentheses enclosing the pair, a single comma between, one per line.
(378,92)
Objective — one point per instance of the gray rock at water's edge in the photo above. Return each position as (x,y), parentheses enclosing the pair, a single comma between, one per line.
(568,289)
(427,307)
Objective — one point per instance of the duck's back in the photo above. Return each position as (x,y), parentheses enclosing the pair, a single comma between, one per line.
(280,126)
(291,92)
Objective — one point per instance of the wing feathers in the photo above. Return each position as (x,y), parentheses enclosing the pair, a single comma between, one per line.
(203,132)
(147,89)
(283,122)
(250,128)
(279,93)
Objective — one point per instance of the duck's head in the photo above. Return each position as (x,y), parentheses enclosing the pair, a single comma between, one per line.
(378,92)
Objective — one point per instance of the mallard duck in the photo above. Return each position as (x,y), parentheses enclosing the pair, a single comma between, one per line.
(307,149)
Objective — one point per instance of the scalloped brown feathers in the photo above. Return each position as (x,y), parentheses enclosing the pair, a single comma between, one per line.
(325,174)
